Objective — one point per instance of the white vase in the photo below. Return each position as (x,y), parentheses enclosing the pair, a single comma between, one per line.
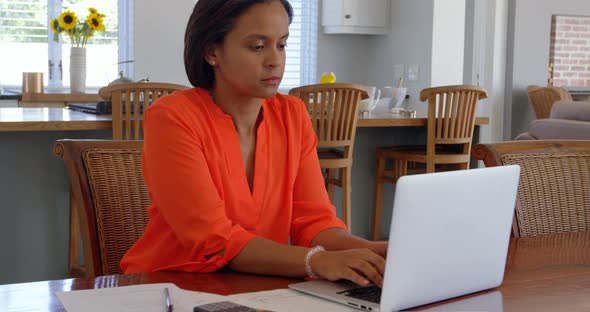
(77,70)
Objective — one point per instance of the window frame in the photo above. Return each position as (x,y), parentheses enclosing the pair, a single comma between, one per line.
(309,13)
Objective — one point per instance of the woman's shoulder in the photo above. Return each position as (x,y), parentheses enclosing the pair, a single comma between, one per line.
(288,105)
(188,102)
(179,99)
(185,108)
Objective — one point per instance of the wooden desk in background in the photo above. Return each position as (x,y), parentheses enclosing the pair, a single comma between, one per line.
(545,273)
(56,99)
(15,119)
(396,120)
(28,166)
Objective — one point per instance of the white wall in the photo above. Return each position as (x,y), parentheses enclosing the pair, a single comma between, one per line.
(345,55)
(494,75)
(448,42)
(409,42)
(528,53)
(485,61)
(159,40)
(469,42)
(159,46)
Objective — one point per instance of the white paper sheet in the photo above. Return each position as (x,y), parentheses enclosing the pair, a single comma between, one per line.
(140,298)
(287,300)
(150,297)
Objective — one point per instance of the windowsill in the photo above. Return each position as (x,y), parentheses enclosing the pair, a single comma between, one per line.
(15,92)
(62,90)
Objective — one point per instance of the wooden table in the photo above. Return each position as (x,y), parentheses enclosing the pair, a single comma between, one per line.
(51,119)
(54,119)
(58,98)
(548,273)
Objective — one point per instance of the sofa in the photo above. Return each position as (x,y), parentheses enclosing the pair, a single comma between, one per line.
(568,120)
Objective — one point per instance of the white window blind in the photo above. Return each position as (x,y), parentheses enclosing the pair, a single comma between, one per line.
(301,66)
(23,21)
(23,39)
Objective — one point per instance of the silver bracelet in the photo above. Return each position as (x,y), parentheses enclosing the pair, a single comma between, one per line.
(308,256)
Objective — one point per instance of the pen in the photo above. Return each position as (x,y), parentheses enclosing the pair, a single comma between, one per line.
(167,299)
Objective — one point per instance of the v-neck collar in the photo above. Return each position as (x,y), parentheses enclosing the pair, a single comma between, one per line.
(253,199)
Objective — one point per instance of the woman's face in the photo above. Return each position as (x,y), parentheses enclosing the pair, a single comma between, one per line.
(251,60)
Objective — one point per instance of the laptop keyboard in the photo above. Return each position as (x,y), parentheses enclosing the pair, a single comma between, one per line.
(369,293)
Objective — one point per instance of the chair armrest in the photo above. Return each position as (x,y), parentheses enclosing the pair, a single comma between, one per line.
(525,136)
(548,129)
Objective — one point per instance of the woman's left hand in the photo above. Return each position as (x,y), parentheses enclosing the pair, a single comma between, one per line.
(340,239)
(379,247)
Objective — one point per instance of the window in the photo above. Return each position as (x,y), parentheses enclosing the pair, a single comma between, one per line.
(300,68)
(569,58)
(26,42)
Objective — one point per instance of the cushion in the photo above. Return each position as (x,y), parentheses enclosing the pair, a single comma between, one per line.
(572,110)
(556,129)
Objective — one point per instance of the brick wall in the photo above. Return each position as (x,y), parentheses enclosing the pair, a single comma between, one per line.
(570,50)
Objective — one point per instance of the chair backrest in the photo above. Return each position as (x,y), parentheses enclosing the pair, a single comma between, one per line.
(451,114)
(543,98)
(334,109)
(110,193)
(554,188)
(129,100)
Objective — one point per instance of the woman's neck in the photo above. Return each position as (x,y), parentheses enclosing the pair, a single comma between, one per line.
(245,111)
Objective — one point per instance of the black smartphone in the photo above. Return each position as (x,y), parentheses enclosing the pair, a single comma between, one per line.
(224,306)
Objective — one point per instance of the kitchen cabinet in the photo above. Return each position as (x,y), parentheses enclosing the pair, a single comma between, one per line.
(369,17)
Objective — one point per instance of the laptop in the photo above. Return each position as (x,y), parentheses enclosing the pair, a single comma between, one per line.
(99,108)
(449,237)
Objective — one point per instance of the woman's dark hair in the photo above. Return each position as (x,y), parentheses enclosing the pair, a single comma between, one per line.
(209,23)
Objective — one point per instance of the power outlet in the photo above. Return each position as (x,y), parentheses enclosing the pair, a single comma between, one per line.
(413,72)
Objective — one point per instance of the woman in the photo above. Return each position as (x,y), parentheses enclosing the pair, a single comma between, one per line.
(231,166)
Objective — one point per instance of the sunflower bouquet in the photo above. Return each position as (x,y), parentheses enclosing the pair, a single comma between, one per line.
(79,31)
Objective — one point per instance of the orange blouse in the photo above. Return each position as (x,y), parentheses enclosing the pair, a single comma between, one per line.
(201,201)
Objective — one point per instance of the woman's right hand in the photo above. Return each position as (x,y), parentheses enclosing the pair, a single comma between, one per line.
(360,266)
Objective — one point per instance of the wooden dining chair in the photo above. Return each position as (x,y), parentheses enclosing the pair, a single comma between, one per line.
(129,100)
(451,119)
(543,98)
(554,187)
(334,110)
(110,198)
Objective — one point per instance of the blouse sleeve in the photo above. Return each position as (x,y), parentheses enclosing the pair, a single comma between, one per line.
(312,210)
(182,189)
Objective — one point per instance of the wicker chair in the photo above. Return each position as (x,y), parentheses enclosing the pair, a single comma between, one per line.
(122,95)
(334,110)
(542,98)
(451,120)
(110,197)
(125,125)
(554,187)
